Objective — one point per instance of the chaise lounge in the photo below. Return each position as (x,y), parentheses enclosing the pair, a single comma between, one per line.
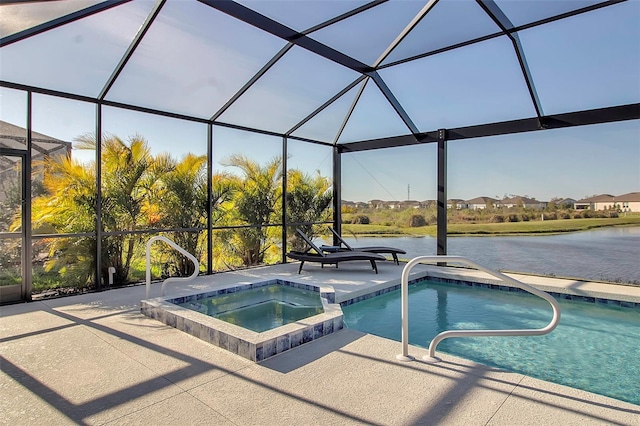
(370,249)
(330,258)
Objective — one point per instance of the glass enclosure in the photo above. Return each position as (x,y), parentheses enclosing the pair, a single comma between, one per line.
(227,125)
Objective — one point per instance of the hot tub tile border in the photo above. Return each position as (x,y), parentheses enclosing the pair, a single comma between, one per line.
(245,343)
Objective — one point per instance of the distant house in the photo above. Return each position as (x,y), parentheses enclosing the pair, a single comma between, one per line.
(412,203)
(597,202)
(457,203)
(347,204)
(377,204)
(566,203)
(398,205)
(629,202)
(353,204)
(481,203)
(525,202)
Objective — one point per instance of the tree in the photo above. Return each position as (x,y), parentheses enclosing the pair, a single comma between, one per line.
(181,202)
(10,198)
(129,177)
(308,200)
(68,206)
(10,220)
(256,195)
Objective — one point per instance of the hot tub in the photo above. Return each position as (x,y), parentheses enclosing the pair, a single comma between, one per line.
(256,320)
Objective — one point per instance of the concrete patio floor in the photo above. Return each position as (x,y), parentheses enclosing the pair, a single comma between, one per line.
(94,359)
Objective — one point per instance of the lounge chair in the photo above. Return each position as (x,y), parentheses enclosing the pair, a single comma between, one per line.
(370,249)
(330,258)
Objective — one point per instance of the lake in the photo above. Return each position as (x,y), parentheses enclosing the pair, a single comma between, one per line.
(606,254)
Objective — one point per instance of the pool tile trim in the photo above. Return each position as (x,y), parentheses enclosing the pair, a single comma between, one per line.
(491,284)
(243,342)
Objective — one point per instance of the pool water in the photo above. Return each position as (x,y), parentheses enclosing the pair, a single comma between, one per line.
(261,309)
(594,348)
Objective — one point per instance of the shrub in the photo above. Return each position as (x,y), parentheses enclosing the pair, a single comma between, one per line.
(361,219)
(565,216)
(613,214)
(466,217)
(417,220)
(588,213)
(577,215)
(513,218)
(497,218)
(525,218)
(551,216)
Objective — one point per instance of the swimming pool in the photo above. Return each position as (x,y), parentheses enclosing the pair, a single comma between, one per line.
(594,348)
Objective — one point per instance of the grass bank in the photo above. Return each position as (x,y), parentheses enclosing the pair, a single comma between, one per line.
(480,229)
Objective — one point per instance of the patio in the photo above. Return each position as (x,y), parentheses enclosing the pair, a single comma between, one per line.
(94,359)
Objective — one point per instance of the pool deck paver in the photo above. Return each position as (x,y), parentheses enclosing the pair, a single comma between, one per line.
(95,359)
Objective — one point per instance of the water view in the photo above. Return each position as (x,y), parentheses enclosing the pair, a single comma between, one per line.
(607,254)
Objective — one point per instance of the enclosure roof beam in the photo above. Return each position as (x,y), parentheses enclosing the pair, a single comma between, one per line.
(254,18)
(498,16)
(46,26)
(132,47)
(556,121)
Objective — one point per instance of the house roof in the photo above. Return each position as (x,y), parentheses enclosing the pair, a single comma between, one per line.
(629,197)
(481,200)
(518,199)
(597,199)
(565,201)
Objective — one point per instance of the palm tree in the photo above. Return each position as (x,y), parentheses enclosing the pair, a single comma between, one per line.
(308,200)
(182,203)
(256,196)
(129,178)
(10,220)
(68,206)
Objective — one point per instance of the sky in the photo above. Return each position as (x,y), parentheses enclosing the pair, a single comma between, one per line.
(565,163)
(476,84)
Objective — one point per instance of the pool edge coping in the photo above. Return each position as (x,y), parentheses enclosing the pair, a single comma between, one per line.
(450,277)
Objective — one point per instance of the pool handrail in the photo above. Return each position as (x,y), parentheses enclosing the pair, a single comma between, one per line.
(170,279)
(467,333)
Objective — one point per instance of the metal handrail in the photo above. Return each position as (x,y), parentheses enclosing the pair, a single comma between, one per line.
(171,279)
(467,333)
